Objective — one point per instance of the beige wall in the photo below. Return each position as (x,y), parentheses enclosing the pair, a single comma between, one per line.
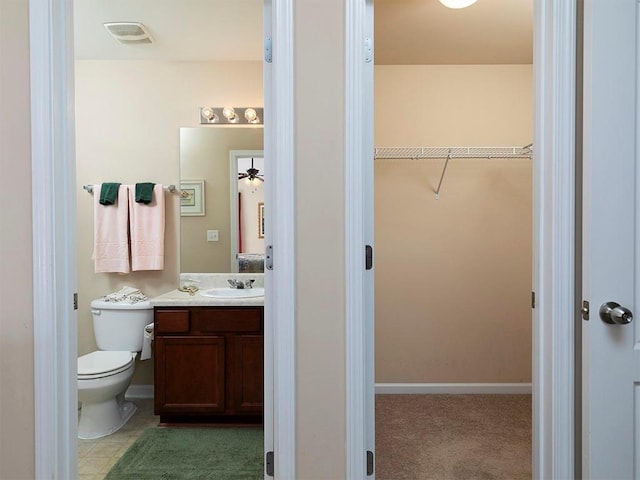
(16,311)
(320,255)
(128,116)
(453,276)
(204,155)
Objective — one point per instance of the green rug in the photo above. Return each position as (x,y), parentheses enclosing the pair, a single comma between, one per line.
(193,453)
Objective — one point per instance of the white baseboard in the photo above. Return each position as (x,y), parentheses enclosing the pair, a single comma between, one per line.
(139,391)
(146,391)
(453,388)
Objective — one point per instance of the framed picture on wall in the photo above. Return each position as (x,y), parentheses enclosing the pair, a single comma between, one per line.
(261,220)
(192,198)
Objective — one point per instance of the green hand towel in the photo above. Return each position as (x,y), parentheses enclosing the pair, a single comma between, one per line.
(109,193)
(144,192)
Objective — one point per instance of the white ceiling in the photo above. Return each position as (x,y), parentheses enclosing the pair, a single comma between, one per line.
(183,30)
(406,31)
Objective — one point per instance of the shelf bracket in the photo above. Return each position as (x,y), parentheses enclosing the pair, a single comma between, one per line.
(444,170)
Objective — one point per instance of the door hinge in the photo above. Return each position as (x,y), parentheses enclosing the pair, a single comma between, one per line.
(75,301)
(533,299)
(368,50)
(269,466)
(268,49)
(368,257)
(584,311)
(370,463)
(268,260)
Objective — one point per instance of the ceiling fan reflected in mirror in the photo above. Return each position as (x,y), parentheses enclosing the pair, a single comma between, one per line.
(251,174)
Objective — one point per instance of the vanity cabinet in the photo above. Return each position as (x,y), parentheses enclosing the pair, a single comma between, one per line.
(208,364)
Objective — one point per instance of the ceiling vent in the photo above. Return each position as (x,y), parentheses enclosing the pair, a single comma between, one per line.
(129,33)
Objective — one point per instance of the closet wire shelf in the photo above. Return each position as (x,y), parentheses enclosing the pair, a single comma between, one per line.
(418,153)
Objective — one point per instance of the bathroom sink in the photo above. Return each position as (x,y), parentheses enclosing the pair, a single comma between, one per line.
(232,292)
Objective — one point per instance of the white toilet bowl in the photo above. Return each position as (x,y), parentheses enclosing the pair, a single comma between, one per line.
(103,378)
(104,375)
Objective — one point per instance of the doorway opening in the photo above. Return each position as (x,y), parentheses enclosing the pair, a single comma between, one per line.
(134,103)
(453,239)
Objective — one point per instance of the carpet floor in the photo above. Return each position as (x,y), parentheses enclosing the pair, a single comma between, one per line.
(453,437)
(193,453)
(418,437)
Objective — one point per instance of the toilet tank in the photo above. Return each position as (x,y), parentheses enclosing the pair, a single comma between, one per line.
(120,325)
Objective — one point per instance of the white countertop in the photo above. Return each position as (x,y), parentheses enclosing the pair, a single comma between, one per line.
(204,281)
(176,298)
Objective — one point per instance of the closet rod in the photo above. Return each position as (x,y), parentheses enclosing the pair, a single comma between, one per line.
(168,188)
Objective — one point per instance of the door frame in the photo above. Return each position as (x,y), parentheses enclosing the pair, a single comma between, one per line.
(54,238)
(554,173)
(553,366)
(359,282)
(280,227)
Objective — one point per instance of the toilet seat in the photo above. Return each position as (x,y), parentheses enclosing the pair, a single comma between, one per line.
(102,363)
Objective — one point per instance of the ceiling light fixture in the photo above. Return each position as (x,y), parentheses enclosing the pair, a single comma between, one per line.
(252,175)
(228,116)
(457,3)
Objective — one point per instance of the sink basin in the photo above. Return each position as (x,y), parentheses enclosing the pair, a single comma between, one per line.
(232,292)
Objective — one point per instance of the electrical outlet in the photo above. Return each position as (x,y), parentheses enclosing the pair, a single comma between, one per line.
(212,235)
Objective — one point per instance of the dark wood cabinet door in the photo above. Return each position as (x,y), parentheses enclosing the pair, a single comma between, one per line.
(246,374)
(189,374)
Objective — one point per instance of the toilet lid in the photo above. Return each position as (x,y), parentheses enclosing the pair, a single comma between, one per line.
(103,362)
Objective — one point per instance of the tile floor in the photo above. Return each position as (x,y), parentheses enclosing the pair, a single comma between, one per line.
(96,457)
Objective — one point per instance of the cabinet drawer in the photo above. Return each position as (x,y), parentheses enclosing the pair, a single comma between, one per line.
(230,320)
(172,321)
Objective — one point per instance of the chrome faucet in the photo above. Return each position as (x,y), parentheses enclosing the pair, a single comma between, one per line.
(239,284)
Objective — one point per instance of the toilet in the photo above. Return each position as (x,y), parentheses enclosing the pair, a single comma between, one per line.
(104,375)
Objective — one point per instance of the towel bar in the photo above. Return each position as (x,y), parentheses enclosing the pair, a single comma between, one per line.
(168,188)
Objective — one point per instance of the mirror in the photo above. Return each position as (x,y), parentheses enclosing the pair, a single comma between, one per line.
(211,159)
(248,167)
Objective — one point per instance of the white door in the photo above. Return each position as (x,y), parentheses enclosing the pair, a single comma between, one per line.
(611,352)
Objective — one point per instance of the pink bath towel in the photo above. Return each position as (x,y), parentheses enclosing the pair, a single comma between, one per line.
(146,226)
(110,232)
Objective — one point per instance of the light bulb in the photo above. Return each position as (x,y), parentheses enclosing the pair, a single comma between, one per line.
(230,114)
(251,115)
(457,3)
(209,114)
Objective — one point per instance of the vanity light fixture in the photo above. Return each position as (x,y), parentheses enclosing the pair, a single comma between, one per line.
(229,115)
(457,3)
